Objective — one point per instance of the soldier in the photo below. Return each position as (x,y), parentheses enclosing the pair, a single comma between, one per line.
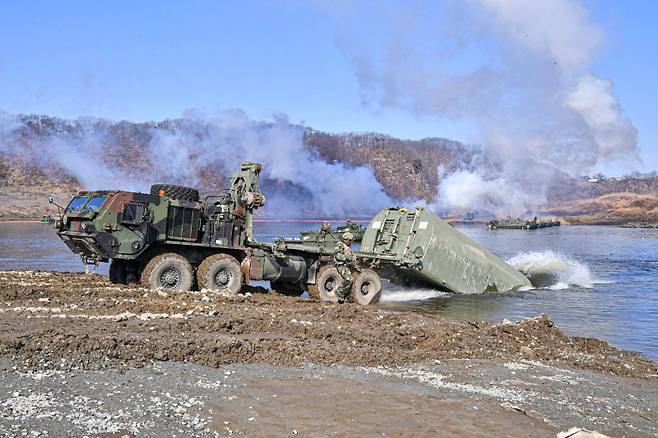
(345,261)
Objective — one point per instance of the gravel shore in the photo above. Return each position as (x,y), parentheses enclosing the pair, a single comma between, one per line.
(82,356)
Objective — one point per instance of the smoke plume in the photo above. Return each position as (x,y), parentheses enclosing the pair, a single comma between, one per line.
(196,150)
(520,71)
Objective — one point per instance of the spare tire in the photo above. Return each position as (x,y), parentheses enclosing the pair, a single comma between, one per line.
(182,193)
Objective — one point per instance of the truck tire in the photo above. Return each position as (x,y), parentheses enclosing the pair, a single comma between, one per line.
(367,287)
(176,192)
(326,282)
(117,272)
(220,273)
(168,271)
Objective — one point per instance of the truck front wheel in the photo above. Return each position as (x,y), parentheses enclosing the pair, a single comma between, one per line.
(168,271)
(221,273)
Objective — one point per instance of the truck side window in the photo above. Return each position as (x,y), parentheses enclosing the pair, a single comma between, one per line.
(132,214)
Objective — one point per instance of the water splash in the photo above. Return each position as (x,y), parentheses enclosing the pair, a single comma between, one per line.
(399,295)
(550,270)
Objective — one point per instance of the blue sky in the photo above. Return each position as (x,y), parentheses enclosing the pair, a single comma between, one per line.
(153,60)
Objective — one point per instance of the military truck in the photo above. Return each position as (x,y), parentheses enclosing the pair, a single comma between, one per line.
(172,239)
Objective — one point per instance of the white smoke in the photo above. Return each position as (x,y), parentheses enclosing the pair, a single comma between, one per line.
(559,30)
(519,70)
(231,137)
(471,191)
(613,133)
(191,151)
(74,148)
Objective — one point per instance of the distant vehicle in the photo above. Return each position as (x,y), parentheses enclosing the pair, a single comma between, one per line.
(522,224)
(357,231)
(47,219)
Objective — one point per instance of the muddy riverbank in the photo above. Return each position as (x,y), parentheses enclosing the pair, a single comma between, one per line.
(518,376)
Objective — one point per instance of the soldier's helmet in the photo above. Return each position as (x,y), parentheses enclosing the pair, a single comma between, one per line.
(347,236)
(326,227)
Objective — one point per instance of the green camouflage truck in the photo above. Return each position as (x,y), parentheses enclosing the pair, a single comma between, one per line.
(172,239)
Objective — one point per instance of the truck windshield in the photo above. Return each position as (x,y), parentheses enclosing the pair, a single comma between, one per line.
(95,203)
(76,203)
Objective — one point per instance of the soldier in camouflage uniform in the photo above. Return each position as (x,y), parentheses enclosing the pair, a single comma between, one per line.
(345,261)
(325,228)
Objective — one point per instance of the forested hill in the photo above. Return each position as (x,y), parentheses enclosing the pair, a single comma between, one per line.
(42,154)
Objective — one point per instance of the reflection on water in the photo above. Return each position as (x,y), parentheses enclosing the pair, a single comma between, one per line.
(620,305)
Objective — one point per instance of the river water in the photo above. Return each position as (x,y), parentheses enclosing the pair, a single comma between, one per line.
(605,279)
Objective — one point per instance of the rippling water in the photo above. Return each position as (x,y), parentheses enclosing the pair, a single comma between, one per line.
(597,281)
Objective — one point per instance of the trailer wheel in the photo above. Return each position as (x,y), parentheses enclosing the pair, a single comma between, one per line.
(367,287)
(220,273)
(326,282)
(168,271)
(117,272)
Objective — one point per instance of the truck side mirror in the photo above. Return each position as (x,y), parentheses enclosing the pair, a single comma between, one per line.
(51,200)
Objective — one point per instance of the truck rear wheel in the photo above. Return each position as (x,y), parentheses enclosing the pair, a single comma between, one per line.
(327,281)
(367,287)
(168,271)
(117,272)
(220,273)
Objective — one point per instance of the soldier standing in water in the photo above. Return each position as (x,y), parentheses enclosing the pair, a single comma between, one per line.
(345,261)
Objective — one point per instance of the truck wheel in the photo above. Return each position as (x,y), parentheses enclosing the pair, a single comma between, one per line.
(176,192)
(367,287)
(168,271)
(118,272)
(221,273)
(326,282)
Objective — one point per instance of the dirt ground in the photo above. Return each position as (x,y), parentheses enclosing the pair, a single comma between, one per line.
(360,370)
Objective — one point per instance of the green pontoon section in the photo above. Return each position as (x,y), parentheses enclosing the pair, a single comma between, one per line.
(418,244)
